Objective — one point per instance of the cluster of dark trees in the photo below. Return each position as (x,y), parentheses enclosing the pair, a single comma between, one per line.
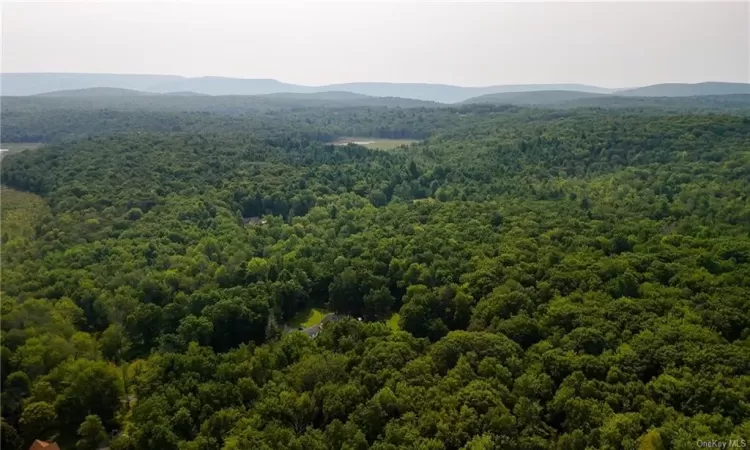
(562,279)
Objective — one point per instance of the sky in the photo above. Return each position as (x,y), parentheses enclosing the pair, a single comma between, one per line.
(614,44)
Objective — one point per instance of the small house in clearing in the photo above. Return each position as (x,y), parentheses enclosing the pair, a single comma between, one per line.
(253,220)
(315,330)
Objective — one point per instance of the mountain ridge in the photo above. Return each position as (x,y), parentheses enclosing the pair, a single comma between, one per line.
(121,92)
(687,89)
(95,92)
(543,97)
(24,84)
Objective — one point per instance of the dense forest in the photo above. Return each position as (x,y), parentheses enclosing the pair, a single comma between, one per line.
(520,278)
(322,116)
(43,123)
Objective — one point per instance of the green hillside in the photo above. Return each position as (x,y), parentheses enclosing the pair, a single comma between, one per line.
(533,98)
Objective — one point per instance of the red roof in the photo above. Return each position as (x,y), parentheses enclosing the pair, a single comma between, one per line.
(44,445)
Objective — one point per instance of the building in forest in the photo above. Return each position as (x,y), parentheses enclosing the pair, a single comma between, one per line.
(44,445)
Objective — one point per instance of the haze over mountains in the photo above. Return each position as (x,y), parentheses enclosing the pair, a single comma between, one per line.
(86,84)
(687,90)
(16,84)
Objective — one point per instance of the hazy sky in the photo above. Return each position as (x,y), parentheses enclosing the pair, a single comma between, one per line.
(607,44)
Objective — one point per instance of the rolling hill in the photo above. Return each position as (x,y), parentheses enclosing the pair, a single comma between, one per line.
(570,99)
(452,94)
(532,98)
(687,90)
(38,83)
(228,86)
(21,84)
(185,94)
(95,92)
(325,95)
(114,92)
(734,103)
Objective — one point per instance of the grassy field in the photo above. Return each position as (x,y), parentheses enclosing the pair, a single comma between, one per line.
(20,212)
(374,143)
(307,318)
(15,147)
(393,322)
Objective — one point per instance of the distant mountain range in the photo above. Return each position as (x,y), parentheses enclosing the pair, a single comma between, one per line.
(115,85)
(113,92)
(95,92)
(117,99)
(21,84)
(444,93)
(39,83)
